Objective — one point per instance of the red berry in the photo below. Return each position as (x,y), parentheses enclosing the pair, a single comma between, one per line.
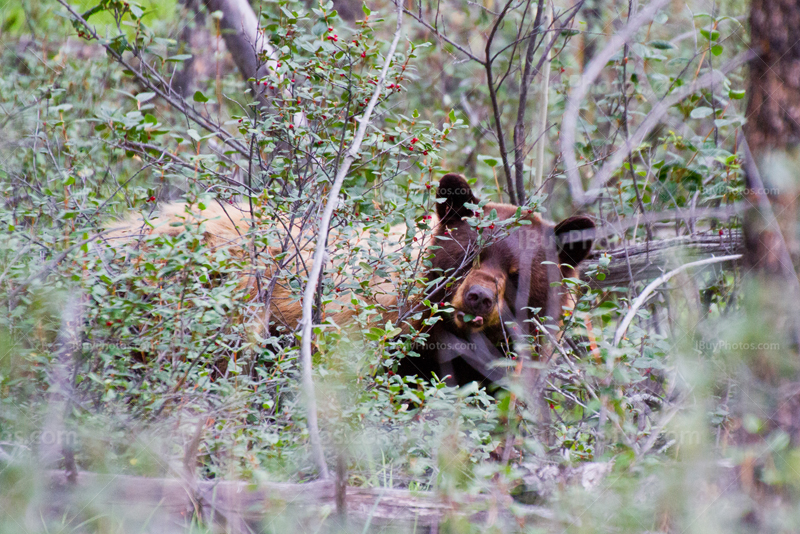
(491,226)
(152,199)
(428,186)
(414,140)
(330,28)
(292,80)
(720,232)
(363,54)
(109,323)
(424,152)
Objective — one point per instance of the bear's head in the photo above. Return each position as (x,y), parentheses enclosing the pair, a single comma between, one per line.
(504,268)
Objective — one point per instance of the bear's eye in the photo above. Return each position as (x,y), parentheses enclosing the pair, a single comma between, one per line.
(514,278)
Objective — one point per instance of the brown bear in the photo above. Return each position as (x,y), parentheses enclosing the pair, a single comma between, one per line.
(482,274)
(494,278)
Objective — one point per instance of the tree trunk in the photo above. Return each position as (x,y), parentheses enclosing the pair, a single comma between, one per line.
(773,134)
(771,303)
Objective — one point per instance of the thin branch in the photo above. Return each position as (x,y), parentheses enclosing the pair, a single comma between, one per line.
(519,127)
(443,37)
(496,107)
(320,251)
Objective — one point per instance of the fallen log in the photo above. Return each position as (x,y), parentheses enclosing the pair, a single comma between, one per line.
(647,261)
(169,504)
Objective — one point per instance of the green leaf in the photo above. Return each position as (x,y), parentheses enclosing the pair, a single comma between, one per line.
(716,49)
(180,57)
(711,35)
(365,9)
(144,97)
(736,95)
(69,181)
(200,97)
(193,134)
(661,45)
(489,160)
(701,112)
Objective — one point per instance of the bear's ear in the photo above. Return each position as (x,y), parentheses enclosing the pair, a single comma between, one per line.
(456,192)
(574,237)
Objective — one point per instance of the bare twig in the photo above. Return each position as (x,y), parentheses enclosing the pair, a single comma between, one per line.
(320,251)
(512,193)
(527,78)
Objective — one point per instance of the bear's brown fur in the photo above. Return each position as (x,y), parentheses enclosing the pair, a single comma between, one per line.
(488,289)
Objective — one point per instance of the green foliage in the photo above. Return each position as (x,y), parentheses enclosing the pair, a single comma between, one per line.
(173,343)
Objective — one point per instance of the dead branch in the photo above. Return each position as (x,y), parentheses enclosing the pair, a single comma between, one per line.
(648,261)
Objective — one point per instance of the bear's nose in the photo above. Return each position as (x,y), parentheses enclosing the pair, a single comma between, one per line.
(479,300)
